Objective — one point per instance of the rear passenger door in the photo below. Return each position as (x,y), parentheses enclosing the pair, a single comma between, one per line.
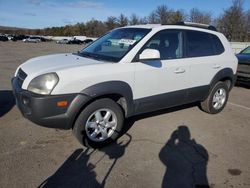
(162,83)
(202,52)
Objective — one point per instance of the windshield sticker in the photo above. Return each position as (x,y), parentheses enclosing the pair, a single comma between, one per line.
(127,41)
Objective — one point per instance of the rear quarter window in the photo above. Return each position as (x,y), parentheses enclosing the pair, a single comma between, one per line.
(199,44)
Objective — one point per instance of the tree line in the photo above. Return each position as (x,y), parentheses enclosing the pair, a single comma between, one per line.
(234,22)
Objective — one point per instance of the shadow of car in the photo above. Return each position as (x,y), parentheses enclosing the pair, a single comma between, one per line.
(79,171)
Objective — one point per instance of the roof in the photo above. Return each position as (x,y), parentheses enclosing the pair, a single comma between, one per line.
(186,25)
(144,26)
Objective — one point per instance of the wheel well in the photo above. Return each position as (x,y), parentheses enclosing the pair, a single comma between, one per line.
(119,99)
(228,81)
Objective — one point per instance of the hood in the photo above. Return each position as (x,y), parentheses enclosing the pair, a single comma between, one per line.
(52,63)
(243,58)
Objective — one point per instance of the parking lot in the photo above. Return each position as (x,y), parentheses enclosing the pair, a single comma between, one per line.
(30,156)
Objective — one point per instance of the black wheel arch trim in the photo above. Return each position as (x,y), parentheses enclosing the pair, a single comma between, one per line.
(224,74)
(112,88)
(75,108)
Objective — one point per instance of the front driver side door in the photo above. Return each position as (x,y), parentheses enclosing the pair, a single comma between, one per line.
(161,83)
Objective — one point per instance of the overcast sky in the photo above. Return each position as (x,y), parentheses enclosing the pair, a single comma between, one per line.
(47,13)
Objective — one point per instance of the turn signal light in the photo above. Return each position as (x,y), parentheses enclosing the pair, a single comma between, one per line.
(62,103)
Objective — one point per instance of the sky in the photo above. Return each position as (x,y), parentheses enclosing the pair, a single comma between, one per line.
(48,13)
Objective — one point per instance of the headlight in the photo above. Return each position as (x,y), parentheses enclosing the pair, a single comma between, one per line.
(43,84)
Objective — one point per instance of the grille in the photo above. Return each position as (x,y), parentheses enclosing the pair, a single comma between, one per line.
(21,75)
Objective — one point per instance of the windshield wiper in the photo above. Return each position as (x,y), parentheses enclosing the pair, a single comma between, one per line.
(86,55)
(95,56)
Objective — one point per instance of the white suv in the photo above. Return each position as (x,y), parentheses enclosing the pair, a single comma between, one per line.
(128,71)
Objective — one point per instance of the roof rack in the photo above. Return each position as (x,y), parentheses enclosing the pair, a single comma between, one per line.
(199,25)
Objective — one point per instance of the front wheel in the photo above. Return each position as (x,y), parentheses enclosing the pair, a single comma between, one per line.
(99,124)
(217,99)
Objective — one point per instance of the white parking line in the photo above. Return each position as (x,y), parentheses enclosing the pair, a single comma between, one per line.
(238,105)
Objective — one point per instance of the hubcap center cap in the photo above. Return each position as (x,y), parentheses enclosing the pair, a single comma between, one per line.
(101,124)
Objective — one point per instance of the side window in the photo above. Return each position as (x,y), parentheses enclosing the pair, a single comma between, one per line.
(168,42)
(218,47)
(200,44)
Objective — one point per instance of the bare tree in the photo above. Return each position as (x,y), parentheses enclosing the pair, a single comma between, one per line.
(199,16)
(81,29)
(143,20)
(122,20)
(111,22)
(163,14)
(178,16)
(95,28)
(247,18)
(232,22)
(152,18)
(134,20)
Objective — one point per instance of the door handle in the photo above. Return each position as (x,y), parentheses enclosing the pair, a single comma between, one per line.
(216,66)
(179,70)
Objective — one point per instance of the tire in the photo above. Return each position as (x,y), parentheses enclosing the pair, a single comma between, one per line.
(209,105)
(95,127)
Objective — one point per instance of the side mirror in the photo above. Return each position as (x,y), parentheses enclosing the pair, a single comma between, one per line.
(150,54)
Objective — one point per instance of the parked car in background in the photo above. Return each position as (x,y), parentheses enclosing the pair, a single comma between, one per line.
(32,39)
(19,37)
(9,36)
(63,41)
(243,71)
(43,39)
(3,38)
(87,41)
(75,41)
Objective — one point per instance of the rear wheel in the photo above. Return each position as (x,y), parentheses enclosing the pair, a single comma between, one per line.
(217,99)
(99,124)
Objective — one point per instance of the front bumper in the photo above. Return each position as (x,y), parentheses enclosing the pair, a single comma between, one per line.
(43,110)
(243,73)
(243,77)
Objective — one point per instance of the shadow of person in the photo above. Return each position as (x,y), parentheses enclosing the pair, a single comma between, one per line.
(76,171)
(186,161)
(7,101)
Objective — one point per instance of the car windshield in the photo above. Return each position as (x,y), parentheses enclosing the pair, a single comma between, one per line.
(246,51)
(114,45)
